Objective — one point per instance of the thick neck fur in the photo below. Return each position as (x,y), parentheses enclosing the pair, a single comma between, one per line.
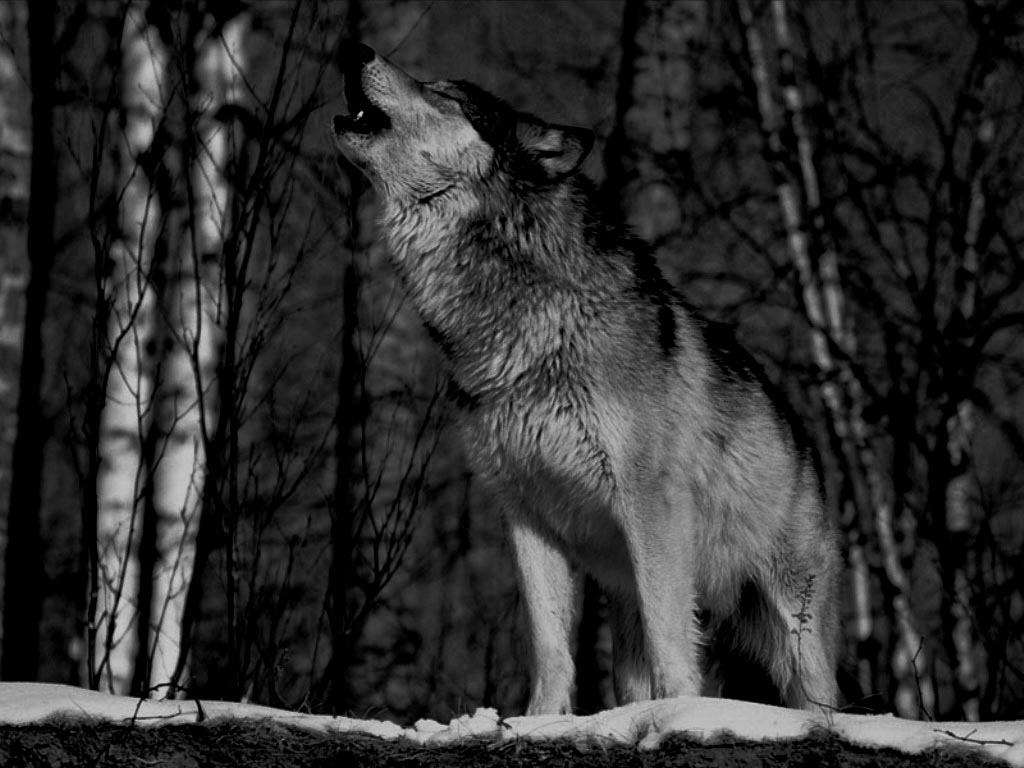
(507,280)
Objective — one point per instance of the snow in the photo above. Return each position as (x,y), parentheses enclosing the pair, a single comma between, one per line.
(644,724)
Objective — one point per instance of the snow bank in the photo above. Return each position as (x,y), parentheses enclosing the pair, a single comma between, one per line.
(644,724)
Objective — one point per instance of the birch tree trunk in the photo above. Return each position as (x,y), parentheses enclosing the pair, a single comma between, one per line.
(15,171)
(188,387)
(824,306)
(24,576)
(127,411)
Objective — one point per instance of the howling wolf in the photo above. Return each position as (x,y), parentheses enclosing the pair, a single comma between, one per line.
(622,434)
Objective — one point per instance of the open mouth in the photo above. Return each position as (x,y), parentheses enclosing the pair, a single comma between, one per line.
(363,116)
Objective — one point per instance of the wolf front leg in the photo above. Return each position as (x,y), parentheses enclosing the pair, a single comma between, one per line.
(549,591)
(659,530)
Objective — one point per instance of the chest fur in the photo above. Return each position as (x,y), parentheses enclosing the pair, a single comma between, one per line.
(541,437)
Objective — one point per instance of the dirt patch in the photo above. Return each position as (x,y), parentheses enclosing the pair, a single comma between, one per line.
(252,744)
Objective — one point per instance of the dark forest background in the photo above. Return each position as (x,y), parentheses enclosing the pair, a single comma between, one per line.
(225,467)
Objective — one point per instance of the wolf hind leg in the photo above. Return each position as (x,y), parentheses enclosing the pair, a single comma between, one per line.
(737,649)
(631,669)
(810,647)
(549,588)
(789,628)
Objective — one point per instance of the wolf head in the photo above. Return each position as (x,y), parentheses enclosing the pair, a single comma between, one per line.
(425,142)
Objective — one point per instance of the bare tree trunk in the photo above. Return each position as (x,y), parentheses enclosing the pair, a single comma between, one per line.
(960,494)
(188,402)
(960,501)
(348,416)
(654,109)
(127,411)
(25,578)
(15,165)
(343,519)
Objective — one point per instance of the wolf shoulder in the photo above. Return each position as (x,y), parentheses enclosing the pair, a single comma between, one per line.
(696,372)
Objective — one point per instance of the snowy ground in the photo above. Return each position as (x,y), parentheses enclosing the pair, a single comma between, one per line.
(711,720)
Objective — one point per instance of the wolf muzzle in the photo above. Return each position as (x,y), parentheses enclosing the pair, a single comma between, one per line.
(375,90)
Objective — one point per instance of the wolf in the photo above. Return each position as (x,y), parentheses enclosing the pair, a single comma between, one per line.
(622,434)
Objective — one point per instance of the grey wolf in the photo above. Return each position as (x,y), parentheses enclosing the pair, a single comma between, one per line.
(623,435)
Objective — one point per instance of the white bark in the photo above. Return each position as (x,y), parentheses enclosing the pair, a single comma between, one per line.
(129,397)
(863,622)
(189,411)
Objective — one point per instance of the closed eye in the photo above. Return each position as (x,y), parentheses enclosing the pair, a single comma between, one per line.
(446,101)
(443,95)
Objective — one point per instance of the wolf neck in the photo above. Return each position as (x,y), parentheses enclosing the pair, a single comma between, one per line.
(505,289)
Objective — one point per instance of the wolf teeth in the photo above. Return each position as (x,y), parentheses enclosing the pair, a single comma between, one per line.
(360,114)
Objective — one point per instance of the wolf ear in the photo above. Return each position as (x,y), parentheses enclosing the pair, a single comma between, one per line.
(556,151)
